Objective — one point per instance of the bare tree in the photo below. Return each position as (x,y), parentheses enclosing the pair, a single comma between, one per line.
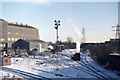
(69,39)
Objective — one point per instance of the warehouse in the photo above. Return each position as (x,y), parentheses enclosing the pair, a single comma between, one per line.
(30,45)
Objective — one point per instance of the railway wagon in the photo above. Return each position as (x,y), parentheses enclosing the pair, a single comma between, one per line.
(114,62)
(76,57)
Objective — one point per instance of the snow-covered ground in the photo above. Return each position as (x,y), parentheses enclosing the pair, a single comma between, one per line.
(7,74)
(47,66)
(97,66)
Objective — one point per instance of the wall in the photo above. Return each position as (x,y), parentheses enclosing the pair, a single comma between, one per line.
(15,33)
(33,45)
(3,33)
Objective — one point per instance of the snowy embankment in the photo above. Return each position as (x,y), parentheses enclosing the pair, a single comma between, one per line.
(89,60)
(7,74)
(47,66)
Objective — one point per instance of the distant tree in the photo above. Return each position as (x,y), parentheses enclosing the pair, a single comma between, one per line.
(101,53)
(69,39)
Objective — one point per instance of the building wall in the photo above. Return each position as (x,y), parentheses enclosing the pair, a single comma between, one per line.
(3,33)
(44,47)
(33,45)
(15,33)
(29,45)
(11,32)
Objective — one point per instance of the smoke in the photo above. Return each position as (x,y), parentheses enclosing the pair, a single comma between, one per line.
(77,31)
(75,27)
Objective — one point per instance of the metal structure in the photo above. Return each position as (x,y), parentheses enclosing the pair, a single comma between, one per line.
(57,23)
(83,34)
(117,36)
(117,30)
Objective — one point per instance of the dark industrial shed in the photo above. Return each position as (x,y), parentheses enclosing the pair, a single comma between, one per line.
(30,45)
(114,62)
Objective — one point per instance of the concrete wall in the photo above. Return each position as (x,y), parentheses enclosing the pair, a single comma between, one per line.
(3,35)
(33,45)
(9,33)
(44,47)
(15,33)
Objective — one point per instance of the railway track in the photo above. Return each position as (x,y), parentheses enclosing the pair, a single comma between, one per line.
(72,66)
(90,68)
(84,67)
(88,64)
(27,74)
(86,70)
(53,73)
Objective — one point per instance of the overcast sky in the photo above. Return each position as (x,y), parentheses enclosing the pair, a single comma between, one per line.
(96,17)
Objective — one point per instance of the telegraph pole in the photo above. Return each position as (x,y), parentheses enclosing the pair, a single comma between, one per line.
(57,23)
(83,39)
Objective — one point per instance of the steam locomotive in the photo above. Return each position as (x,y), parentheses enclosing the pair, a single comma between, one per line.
(76,57)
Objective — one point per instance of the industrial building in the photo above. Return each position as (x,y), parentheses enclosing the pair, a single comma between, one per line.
(30,45)
(11,32)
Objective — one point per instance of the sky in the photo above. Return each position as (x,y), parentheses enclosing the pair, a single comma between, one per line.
(96,17)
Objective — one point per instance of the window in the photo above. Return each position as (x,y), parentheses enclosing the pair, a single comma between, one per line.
(12,39)
(9,33)
(8,39)
(16,39)
(2,39)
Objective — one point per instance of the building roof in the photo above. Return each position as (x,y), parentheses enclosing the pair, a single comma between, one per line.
(2,20)
(21,25)
(114,39)
(39,41)
(115,54)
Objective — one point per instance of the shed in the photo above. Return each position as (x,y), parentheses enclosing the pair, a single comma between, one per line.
(114,61)
(30,44)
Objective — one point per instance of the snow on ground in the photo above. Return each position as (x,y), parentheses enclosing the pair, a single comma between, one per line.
(46,66)
(97,66)
(4,74)
(35,66)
